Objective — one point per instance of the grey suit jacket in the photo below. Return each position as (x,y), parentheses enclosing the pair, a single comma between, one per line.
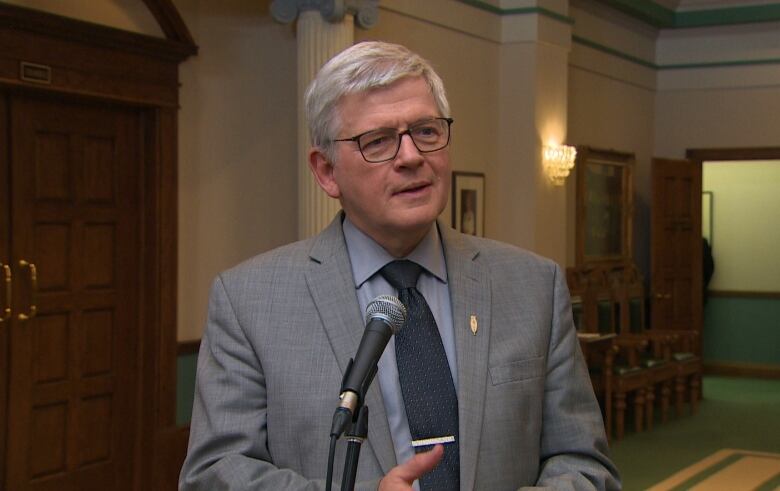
(283,326)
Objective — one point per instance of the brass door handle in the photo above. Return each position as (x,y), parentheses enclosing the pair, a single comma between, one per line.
(33,289)
(7,308)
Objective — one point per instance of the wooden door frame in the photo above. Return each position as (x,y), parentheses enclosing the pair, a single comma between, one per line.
(69,59)
(711,154)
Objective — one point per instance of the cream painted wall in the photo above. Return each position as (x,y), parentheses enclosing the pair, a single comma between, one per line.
(237,151)
(716,118)
(731,105)
(746,224)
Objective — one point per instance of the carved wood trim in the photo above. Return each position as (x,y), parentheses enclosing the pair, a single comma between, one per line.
(52,25)
(742,370)
(171,23)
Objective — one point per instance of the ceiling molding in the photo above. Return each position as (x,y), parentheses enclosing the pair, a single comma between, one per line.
(659,16)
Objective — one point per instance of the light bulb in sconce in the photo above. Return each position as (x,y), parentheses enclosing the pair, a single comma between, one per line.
(558,162)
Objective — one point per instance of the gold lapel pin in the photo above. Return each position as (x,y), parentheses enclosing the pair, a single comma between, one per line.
(474,325)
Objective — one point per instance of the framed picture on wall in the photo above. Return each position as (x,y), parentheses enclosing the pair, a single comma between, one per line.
(468,202)
(605,205)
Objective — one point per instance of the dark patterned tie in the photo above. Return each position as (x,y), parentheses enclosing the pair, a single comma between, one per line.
(426,381)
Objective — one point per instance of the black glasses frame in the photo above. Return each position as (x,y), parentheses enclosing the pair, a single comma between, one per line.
(407,131)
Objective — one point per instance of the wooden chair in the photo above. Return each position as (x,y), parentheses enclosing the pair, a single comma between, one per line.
(627,377)
(598,351)
(689,370)
(662,372)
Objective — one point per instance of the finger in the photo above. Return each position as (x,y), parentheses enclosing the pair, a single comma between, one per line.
(420,464)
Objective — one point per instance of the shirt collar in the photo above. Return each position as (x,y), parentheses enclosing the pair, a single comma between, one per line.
(368,257)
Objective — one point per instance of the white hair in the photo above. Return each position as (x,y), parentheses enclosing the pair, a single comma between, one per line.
(360,68)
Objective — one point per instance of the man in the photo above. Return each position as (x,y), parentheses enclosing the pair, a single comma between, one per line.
(509,379)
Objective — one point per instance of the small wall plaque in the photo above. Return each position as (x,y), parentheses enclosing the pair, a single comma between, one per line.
(32,72)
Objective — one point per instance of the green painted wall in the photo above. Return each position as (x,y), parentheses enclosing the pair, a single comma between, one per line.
(185,387)
(742,330)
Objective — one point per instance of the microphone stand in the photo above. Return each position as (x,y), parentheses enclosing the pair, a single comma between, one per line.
(357,433)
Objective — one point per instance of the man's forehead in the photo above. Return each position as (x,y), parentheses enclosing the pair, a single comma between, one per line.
(404,98)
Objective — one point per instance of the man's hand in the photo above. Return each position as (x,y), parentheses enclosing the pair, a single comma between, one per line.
(401,477)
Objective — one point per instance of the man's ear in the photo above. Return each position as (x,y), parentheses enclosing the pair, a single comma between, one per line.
(322,169)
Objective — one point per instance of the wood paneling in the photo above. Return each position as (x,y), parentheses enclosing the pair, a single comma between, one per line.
(78,391)
(94,403)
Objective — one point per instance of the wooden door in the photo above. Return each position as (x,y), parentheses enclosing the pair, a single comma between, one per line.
(676,245)
(74,250)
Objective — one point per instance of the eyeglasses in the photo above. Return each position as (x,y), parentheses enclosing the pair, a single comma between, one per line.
(382,144)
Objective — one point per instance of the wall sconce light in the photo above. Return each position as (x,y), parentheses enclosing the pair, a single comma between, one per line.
(558,162)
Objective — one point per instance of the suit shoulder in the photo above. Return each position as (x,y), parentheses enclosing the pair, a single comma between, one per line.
(500,254)
(286,257)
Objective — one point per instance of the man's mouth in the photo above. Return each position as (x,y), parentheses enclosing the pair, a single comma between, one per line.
(414,188)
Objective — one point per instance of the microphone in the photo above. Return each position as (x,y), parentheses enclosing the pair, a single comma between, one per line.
(385,315)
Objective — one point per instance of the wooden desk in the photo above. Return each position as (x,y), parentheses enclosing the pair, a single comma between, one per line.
(594,343)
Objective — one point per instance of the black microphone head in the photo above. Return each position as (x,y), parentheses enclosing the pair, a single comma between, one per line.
(389,309)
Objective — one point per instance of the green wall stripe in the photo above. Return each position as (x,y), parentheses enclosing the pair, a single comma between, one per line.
(657,15)
(720,64)
(727,16)
(613,52)
(680,66)
(518,11)
(644,10)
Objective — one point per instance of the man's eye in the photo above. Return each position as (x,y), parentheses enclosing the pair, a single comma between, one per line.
(427,131)
(370,141)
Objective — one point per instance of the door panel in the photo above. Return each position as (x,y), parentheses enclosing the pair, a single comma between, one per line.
(676,245)
(75,218)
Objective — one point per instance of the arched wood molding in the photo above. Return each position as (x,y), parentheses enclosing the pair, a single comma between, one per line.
(171,23)
(178,44)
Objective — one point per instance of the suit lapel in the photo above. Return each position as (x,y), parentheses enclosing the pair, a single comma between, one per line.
(330,282)
(469,285)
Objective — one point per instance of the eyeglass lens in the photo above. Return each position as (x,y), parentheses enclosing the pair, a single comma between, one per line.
(383,144)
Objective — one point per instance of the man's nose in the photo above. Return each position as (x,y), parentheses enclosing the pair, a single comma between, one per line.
(408,154)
